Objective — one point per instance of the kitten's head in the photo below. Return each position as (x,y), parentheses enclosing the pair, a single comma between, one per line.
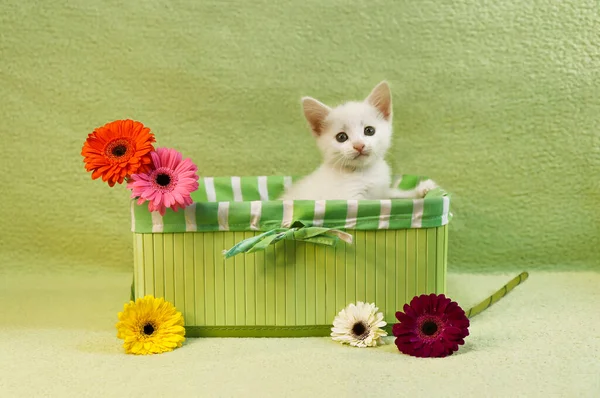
(355,134)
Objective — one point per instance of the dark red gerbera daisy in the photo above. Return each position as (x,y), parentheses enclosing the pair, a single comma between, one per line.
(430,326)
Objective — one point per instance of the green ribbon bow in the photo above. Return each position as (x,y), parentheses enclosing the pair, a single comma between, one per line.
(318,235)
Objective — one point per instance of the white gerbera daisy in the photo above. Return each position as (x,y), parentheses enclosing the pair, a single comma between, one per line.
(359,325)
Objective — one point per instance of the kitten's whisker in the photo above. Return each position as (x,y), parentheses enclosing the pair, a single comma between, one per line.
(345,162)
(339,159)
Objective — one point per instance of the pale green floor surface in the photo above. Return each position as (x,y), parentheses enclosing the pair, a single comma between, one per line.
(57,339)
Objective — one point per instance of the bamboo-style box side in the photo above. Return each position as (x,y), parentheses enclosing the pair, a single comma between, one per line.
(293,287)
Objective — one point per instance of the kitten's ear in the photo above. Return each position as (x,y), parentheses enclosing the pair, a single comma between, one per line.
(315,113)
(381,98)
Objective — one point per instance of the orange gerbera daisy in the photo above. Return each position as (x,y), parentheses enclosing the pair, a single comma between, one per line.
(118,150)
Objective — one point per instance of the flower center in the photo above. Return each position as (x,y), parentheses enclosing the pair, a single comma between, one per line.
(148,329)
(429,328)
(360,330)
(118,150)
(163,180)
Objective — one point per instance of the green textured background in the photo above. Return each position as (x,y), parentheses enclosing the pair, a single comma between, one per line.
(498,101)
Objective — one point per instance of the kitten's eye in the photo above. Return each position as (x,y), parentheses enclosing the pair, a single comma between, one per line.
(341,137)
(369,130)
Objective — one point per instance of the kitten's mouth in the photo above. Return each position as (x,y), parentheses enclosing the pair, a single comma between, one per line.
(361,155)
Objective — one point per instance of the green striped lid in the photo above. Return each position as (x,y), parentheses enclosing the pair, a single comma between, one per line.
(249,204)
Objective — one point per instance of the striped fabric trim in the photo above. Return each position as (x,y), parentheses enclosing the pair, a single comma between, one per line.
(236,185)
(351,213)
(209,186)
(223,216)
(157,222)
(249,204)
(255,213)
(263,189)
(384,214)
(319,217)
(190,218)
(417,214)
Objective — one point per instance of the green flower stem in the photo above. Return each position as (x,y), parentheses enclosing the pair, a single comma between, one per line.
(503,291)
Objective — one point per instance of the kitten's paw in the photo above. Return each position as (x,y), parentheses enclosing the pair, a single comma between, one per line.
(424,187)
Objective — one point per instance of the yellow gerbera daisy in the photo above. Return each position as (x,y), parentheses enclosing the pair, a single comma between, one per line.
(150,326)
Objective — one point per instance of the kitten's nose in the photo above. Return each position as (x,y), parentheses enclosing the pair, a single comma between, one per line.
(359,147)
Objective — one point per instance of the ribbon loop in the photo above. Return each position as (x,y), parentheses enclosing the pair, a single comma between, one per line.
(316,235)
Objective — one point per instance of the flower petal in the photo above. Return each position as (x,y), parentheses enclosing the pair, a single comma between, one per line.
(447,314)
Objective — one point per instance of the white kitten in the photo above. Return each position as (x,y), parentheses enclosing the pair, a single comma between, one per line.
(353,139)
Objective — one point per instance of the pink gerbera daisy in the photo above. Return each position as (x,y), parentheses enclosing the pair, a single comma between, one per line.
(169,182)
(430,326)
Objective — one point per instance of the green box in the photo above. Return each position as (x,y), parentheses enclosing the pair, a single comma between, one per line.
(293,288)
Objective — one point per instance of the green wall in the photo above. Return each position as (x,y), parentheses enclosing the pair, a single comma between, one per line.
(497,100)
